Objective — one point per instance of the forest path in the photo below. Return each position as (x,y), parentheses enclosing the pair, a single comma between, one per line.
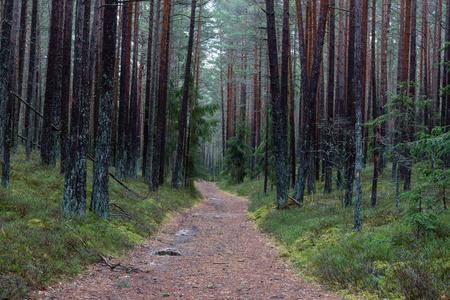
(222,257)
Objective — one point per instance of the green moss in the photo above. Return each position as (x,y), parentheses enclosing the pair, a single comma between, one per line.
(37,244)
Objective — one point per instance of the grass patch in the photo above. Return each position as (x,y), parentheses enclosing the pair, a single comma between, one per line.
(38,244)
(390,258)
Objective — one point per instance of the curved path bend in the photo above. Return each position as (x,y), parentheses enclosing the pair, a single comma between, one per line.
(222,257)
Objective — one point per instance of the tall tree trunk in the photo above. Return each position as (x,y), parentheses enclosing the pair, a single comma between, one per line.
(293,154)
(409,119)
(148,98)
(74,199)
(53,85)
(124,92)
(279,102)
(253,112)
(445,116)
(6,82)
(29,114)
(375,108)
(359,116)
(153,92)
(340,97)
(351,117)
(21,67)
(100,194)
(31,84)
(92,62)
(65,82)
(386,14)
(134,112)
(330,101)
(310,87)
(184,105)
(160,140)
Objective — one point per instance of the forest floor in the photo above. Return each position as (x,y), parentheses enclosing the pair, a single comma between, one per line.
(221,255)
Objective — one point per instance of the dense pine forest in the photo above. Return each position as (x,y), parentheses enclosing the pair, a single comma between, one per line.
(344,104)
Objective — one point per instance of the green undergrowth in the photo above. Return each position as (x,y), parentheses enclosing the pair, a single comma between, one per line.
(392,257)
(38,244)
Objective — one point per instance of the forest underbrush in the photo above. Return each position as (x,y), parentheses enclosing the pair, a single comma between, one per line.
(400,252)
(38,245)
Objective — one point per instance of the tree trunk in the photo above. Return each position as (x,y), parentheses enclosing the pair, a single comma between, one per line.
(279,102)
(21,66)
(184,105)
(124,92)
(74,199)
(351,117)
(330,101)
(100,194)
(148,98)
(160,140)
(6,81)
(310,87)
(359,116)
(93,59)
(134,112)
(53,85)
(375,108)
(383,79)
(65,81)
(154,79)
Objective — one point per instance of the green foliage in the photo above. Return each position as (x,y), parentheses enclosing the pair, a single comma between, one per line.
(428,198)
(237,155)
(260,153)
(202,124)
(38,245)
(388,259)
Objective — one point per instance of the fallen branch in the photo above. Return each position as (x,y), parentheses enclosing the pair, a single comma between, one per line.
(122,212)
(110,265)
(23,138)
(295,201)
(120,182)
(33,109)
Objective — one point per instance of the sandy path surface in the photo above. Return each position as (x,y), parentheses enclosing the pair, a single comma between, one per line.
(222,257)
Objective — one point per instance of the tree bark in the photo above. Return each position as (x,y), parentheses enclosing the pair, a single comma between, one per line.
(359,116)
(310,87)
(330,101)
(160,140)
(53,85)
(100,194)
(148,98)
(184,105)
(74,199)
(65,81)
(21,67)
(124,92)
(279,112)
(375,108)
(6,81)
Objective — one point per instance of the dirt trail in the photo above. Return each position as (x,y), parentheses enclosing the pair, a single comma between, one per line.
(222,257)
